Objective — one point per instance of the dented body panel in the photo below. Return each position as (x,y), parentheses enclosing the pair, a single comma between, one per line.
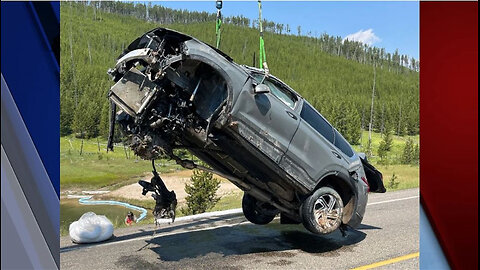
(174,91)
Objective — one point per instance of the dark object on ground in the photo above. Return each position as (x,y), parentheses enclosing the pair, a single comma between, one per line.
(165,200)
(174,91)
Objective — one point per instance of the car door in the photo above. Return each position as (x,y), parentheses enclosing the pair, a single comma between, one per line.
(312,148)
(267,120)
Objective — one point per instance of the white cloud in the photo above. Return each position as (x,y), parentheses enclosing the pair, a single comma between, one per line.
(366,37)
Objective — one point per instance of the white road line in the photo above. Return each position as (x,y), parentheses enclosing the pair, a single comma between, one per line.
(204,229)
(394,200)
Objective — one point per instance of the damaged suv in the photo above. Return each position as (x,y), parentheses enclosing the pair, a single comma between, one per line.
(173,91)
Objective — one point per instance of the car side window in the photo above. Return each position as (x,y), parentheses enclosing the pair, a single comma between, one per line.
(284,95)
(343,145)
(316,121)
(276,89)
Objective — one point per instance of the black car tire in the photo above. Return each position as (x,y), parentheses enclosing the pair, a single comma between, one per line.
(253,212)
(315,213)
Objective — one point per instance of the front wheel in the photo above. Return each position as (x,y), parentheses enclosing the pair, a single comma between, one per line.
(322,211)
(257,212)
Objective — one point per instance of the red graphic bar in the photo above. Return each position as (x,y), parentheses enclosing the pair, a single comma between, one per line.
(449,126)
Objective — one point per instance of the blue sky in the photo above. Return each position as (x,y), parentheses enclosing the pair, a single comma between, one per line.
(390,25)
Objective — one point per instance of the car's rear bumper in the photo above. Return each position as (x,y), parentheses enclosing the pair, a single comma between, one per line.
(361,194)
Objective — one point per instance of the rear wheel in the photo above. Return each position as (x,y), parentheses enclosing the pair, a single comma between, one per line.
(257,212)
(322,211)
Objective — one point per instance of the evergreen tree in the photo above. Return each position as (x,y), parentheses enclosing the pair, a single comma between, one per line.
(385,145)
(201,192)
(416,154)
(103,128)
(387,141)
(408,154)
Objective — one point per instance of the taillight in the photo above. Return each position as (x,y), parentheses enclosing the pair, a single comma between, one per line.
(366,182)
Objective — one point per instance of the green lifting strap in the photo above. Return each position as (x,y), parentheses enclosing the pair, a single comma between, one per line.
(218,23)
(262,56)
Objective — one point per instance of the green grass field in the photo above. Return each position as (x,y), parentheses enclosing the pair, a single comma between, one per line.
(394,154)
(407,176)
(95,168)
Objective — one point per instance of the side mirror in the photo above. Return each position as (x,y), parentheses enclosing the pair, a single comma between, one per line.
(261,88)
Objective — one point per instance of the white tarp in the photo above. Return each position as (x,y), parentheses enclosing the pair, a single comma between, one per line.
(90,228)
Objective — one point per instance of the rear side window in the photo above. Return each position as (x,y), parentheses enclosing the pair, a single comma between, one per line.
(317,122)
(343,145)
(314,119)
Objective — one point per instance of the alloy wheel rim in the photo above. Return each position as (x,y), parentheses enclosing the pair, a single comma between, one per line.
(327,212)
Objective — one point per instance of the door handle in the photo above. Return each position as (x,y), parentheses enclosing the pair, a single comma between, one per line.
(291,115)
(336,155)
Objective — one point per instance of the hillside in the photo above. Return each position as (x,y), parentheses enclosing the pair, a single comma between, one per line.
(338,87)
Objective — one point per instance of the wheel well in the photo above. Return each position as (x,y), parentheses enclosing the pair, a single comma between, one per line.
(345,192)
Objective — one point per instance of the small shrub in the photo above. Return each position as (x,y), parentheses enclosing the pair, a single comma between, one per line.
(201,192)
(408,155)
(393,183)
(416,154)
(387,141)
(385,147)
(382,153)
(368,149)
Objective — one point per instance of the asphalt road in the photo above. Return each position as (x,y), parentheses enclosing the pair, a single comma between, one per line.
(388,239)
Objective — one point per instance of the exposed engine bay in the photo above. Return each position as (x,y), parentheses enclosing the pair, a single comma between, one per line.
(159,105)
